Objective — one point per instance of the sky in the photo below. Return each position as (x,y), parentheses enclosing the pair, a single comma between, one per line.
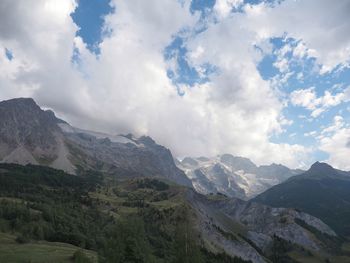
(267,80)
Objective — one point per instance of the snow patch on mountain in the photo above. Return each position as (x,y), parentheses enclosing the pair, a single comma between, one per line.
(233,176)
(66,128)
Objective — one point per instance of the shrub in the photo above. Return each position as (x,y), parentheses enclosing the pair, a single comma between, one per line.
(22,239)
(80,257)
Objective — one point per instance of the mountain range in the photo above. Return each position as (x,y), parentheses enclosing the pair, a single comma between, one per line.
(125,197)
(29,134)
(233,176)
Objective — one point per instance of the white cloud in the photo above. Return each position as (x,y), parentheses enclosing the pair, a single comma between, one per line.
(310,134)
(282,65)
(247,110)
(338,123)
(322,26)
(127,88)
(304,97)
(224,7)
(335,141)
(300,51)
(308,99)
(282,62)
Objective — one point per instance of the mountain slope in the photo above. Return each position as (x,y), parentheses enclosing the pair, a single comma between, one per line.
(233,176)
(122,155)
(29,134)
(150,220)
(41,251)
(322,191)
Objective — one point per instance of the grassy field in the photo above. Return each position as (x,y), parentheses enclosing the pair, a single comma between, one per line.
(38,252)
(346,247)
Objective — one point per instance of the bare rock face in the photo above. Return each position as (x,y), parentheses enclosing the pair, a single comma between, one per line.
(29,134)
(247,229)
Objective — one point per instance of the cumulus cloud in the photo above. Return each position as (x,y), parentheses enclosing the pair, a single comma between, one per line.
(321,26)
(308,99)
(224,7)
(247,110)
(127,89)
(334,140)
(42,45)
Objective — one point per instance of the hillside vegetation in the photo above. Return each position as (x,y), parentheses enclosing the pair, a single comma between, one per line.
(141,220)
(94,217)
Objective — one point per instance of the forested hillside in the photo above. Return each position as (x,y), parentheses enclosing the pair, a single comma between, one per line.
(142,220)
(97,217)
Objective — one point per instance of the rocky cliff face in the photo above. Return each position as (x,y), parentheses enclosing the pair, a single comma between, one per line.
(248,229)
(233,176)
(23,123)
(29,134)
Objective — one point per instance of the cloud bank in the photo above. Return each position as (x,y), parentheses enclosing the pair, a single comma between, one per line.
(126,88)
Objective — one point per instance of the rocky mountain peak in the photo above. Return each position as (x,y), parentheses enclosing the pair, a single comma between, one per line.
(29,134)
(23,111)
(16,108)
(233,175)
(24,123)
(146,140)
(189,161)
(238,163)
(26,102)
(321,169)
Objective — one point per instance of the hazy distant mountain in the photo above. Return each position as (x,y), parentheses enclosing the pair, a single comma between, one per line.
(233,176)
(322,191)
(29,134)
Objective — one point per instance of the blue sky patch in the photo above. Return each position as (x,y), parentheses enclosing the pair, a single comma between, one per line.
(89,17)
(185,73)
(8,54)
(202,5)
